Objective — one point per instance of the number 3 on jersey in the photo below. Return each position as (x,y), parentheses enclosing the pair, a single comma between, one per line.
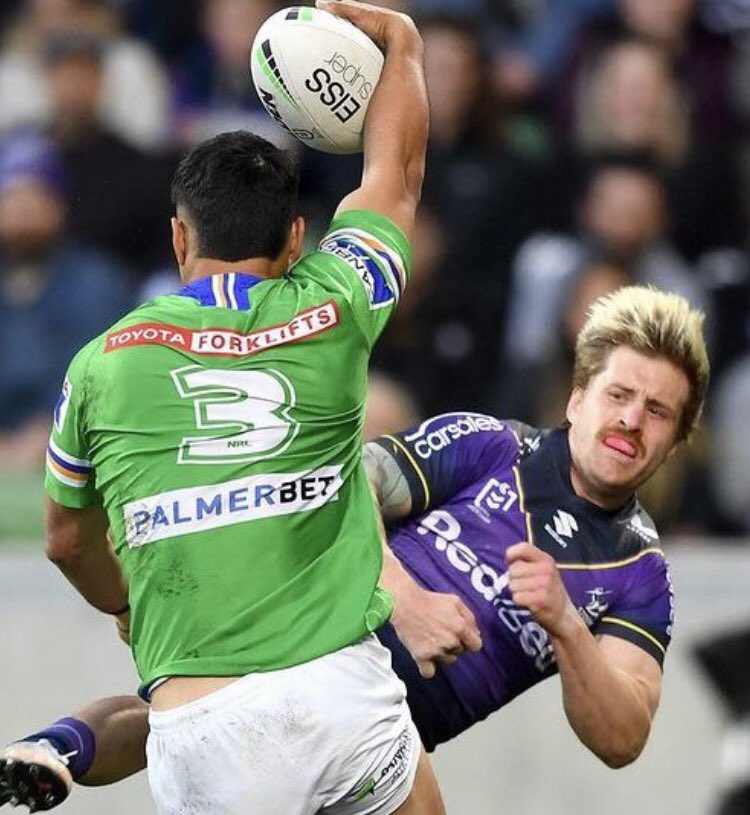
(245,412)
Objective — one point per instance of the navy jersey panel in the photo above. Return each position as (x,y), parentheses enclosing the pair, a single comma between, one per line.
(447,453)
(479,487)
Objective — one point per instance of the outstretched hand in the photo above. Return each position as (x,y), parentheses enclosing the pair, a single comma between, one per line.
(435,628)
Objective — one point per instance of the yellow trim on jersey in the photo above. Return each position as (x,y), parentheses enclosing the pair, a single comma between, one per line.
(635,628)
(522,502)
(654,550)
(414,464)
(521,496)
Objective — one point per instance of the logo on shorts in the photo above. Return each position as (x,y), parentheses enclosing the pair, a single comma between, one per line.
(397,765)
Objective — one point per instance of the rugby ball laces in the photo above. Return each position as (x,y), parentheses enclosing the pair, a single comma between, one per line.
(315,74)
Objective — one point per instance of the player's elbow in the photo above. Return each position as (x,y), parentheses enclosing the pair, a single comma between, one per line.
(66,531)
(60,548)
(58,552)
(621,752)
(405,187)
(616,761)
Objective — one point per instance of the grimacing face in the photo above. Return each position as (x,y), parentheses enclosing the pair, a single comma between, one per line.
(624,425)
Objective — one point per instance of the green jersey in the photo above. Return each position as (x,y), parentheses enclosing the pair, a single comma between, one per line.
(221,428)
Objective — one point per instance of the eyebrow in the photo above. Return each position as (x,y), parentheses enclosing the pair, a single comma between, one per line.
(651,402)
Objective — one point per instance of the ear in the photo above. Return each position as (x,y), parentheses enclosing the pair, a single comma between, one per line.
(296,240)
(574,405)
(179,241)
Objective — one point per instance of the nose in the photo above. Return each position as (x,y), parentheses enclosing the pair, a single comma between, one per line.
(632,414)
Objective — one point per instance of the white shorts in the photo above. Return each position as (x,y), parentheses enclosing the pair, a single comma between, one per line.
(333,735)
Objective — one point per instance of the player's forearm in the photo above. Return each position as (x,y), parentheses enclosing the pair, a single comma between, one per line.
(393,576)
(120,726)
(397,122)
(96,575)
(398,583)
(605,707)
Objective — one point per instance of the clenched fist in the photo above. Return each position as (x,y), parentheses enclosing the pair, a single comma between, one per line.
(535,583)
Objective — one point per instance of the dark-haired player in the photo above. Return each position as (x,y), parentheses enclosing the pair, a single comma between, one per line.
(216,434)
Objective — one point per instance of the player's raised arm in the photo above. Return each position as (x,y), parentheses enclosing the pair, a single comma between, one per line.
(396,126)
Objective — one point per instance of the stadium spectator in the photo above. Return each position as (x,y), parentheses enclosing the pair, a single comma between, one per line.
(631,101)
(213,87)
(117,192)
(135,96)
(407,350)
(472,174)
(629,98)
(169,26)
(701,60)
(483,195)
(55,294)
(538,50)
(622,219)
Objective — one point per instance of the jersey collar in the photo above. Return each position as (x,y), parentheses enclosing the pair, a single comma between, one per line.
(230,290)
(559,449)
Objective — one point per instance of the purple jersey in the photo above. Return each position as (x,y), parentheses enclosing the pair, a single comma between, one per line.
(478,486)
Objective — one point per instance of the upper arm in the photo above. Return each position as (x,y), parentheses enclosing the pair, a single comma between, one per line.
(69,478)
(68,531)
(363,260)
(391,488)
(643,613)
(446,453)
(640,666)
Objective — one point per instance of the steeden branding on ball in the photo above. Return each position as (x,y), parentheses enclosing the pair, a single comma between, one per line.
(315,73)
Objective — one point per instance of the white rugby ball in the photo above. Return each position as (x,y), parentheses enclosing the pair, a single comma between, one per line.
(315,73)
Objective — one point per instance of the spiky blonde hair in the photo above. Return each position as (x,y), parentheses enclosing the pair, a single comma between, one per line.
(653,323)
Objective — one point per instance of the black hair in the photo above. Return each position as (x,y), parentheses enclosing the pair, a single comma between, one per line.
(240,193)
(72,45)
(638,161)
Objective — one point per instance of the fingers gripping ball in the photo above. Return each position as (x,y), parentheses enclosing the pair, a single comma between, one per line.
(315,73)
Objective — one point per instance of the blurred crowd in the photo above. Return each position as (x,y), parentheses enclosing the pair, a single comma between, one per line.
(575,146)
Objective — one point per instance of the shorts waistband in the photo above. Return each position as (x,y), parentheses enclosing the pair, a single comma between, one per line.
(162,720)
